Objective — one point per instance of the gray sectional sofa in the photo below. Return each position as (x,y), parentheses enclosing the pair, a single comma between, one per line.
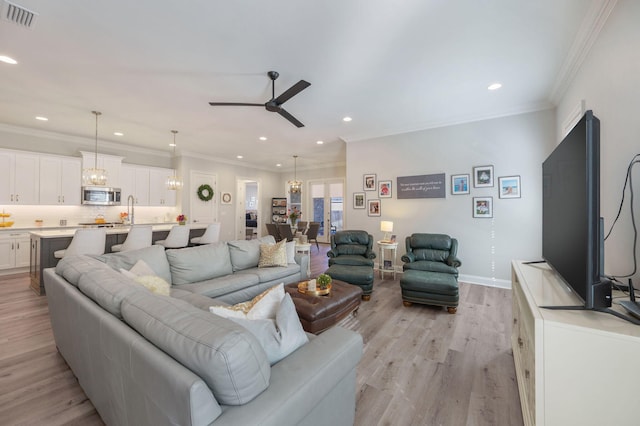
(145,359)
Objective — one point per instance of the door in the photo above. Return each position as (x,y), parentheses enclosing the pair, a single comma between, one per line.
(246,208)
(327,200)
(203,211)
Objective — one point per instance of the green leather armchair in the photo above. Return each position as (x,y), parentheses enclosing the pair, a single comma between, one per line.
(432,253)
(353,248)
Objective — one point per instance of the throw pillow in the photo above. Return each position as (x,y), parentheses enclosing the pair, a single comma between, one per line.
(273,255)
(262,306)
(142,268)
(291,252)
(278,336)
(154,284)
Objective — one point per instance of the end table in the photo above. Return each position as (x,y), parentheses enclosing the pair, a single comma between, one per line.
(387,263)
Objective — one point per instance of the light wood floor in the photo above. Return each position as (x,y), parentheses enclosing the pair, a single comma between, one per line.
(421,365)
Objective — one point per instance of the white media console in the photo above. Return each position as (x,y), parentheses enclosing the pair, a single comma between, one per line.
(573,367)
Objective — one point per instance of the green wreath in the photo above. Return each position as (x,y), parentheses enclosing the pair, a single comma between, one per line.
(205,192)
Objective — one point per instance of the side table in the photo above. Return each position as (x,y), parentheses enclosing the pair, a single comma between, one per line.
(387,263)
(305,249)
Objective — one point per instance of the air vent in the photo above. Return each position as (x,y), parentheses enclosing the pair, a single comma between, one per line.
(18,14)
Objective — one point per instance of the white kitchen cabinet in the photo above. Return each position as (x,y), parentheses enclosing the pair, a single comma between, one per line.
(159,195)
(19,180)
(14,250)
(135,181)
(60,180)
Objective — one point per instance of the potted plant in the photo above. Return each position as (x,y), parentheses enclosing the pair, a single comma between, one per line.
(323,281)
(182,219)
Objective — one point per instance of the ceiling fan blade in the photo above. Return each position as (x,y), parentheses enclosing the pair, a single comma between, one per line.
(292,91)
(233,103)
(290,117)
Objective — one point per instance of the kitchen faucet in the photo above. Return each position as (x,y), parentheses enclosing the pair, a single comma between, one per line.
(130,214)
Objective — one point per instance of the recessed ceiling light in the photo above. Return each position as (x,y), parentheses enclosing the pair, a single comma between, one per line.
(263,138)
(320,142)
(118,133)
(239,157)
(494,86)
(347,119)
(41,118)
(172,144)
(8,60)
(278,165)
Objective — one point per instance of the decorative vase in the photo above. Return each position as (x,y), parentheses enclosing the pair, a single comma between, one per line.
(182,222)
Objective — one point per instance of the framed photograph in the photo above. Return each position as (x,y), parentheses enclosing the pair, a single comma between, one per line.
(373,207)
(459,184)
(384,189)
(225,198)
(509,187)
(482,207)
(358,200)
(483,176)
(369,182)
(393,238)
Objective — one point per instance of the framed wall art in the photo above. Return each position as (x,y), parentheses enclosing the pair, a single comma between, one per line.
(483,176)
(225,198)
(459,184)
(369,182)
(358,200)
(509,187)
(373,207)
(384,189)
(482,207)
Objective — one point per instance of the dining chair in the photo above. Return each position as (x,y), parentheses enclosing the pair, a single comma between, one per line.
(84,241)
(303,225)
(178,237)
(284,229)
(139,236)
(312,233)
(211,235)
(272,229)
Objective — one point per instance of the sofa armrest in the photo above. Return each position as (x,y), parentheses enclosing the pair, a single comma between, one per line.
(303,383)
(453,261)
(332,253)
(408,257)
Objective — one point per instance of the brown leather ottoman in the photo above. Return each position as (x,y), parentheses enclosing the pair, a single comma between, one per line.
(317,313)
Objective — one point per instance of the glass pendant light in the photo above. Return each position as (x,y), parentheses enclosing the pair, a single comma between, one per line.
(94,175)
(295,186)
(174,182)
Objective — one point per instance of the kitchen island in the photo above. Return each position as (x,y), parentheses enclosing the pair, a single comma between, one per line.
(45,242)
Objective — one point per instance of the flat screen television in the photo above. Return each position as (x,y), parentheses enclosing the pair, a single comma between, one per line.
(572,238)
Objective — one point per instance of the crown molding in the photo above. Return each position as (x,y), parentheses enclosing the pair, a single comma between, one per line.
(594,20)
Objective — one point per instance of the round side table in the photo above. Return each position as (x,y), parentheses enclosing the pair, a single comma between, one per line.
(387,262)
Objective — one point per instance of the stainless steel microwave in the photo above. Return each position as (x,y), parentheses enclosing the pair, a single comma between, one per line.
(101,196)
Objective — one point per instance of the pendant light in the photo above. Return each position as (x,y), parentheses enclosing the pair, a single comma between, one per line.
(94,175)
(174,182)
(295,186)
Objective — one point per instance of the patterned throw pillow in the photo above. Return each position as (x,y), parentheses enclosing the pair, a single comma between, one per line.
(262,306)
(154,284)
(273,254)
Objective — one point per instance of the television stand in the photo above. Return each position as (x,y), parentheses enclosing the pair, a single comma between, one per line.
(571,364)
(603,310)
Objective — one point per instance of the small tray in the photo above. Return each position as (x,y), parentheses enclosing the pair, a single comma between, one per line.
(302,288)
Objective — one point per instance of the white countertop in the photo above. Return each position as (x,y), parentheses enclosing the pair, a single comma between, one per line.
(70,230)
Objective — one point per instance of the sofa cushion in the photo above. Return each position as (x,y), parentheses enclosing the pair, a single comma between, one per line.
(72,267)
(246,253)
(108,288)
(280,334)
(225,355)
(273,254)
(193,264)
(271,274)
(195,299)
(220,286)
(262,306)
(153,256)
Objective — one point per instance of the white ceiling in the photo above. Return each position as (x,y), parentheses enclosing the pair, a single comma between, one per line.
(394,66)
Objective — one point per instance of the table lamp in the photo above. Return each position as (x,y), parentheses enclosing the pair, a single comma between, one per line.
(386,227)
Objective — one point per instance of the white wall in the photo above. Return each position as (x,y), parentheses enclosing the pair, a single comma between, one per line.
(514,145)
(609,83)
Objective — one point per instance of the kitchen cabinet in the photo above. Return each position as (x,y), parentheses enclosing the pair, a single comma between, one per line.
(135,181)
(60,180)
(14,250)
(19,180)
(159,195)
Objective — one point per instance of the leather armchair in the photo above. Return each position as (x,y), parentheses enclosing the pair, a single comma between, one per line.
(432,253)
(353,248)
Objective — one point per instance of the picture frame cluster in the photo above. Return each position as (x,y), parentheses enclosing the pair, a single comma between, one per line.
(370,183)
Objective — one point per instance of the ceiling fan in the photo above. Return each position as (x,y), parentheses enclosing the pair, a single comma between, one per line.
(275,104)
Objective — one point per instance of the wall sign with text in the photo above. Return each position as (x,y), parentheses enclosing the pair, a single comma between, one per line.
(423,186)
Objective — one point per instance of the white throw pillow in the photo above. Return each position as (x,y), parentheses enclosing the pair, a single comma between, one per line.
(278,336)
(264,305)
(291,252)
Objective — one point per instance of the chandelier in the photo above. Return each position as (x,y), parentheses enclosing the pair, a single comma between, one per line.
(295,186)
(94,175)
(173,181)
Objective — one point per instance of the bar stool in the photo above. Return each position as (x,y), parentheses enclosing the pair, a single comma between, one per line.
(139,236)
(84,241)
(178,237)
(211,235)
